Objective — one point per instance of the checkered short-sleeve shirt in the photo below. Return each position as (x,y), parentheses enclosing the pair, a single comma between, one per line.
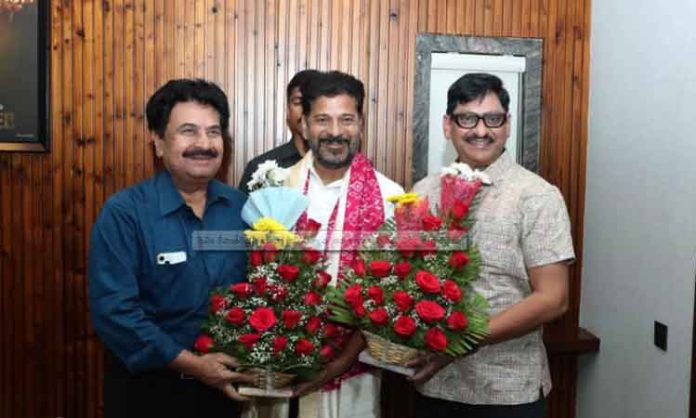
(521,221)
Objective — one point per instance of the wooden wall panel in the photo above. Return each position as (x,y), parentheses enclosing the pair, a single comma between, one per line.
(108,56)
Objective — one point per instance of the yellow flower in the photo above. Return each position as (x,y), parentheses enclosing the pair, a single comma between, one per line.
(269,230)
(258,237)
(404,199)
(285,238)
(268,224)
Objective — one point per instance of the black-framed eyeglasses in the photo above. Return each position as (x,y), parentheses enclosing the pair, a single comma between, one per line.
(469,120)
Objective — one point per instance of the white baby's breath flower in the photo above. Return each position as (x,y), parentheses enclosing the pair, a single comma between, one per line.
(278,176)
(465,172)
(449,171)
(268,174)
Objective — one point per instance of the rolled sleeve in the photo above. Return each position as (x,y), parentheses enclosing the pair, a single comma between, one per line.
(117,314)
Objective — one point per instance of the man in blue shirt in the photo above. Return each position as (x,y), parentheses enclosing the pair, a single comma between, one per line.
(148,286)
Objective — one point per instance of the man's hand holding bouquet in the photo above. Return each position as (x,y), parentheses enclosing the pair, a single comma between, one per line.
(410,290)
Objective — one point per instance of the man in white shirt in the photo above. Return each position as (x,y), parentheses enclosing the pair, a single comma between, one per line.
(348,198)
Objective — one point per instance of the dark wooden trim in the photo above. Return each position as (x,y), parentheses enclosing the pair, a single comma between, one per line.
(584,342)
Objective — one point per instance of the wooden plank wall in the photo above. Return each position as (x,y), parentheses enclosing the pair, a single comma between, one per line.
(108,56)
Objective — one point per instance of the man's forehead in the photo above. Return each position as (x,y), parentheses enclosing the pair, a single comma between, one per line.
(489,100)
(193,113)
(340,103)
(296,93)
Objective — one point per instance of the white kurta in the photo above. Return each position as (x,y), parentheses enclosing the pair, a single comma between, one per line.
(358,396)
(323,198)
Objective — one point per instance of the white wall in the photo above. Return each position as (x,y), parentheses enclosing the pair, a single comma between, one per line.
(640,212)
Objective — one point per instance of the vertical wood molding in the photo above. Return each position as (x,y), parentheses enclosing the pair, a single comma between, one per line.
(108,56)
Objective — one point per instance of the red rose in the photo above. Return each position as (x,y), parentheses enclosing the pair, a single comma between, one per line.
(330,330)
(255,258)
(430,311)
(456,232)
(459,209)
(359,267)
(359,309)
(291,318)
(313,324)
(402,269)
(248,340)
(402,300)
(431,223)
(323,279)
(376,294)
(304,346)
(405,326)
(458,259)
(235,316)
(262,319)
(408,246)
(288,272)
(279,344)
(326,352)
(353,294)
(203,343)
(260,285)
(380,268)
(310,256)
(312,298)
(451,291)
(457,320)
(278,293)
(311,228)
(436,339)
(383,240)
(428,248)
(427,281)
(379,316)
(217,303)
(269,252)
(242,290)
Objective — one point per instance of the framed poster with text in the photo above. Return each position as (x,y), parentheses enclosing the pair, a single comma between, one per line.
(24,75)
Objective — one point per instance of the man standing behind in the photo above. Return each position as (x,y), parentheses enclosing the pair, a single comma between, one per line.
(347,197)
(148,288)
(292,151)
(522,230)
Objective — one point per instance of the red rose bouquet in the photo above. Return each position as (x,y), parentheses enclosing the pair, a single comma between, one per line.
(276,320)
(411,285)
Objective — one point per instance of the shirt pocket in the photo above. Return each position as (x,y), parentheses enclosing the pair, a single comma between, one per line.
(161,278)
(497,239)
(177,288)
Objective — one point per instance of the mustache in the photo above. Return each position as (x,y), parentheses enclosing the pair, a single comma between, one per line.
(337,140)
(200,152)
(475,137)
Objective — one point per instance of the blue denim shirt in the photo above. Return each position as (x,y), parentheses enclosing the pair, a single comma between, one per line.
(146,312)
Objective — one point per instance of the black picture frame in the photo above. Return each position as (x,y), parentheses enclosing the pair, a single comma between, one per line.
(26,127)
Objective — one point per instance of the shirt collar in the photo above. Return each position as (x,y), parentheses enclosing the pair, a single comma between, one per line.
(170,199)
(497,170)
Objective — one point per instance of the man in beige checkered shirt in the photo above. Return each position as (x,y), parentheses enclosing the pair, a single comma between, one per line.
(523,233)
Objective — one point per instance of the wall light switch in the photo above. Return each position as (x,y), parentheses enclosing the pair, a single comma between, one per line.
(661,336)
